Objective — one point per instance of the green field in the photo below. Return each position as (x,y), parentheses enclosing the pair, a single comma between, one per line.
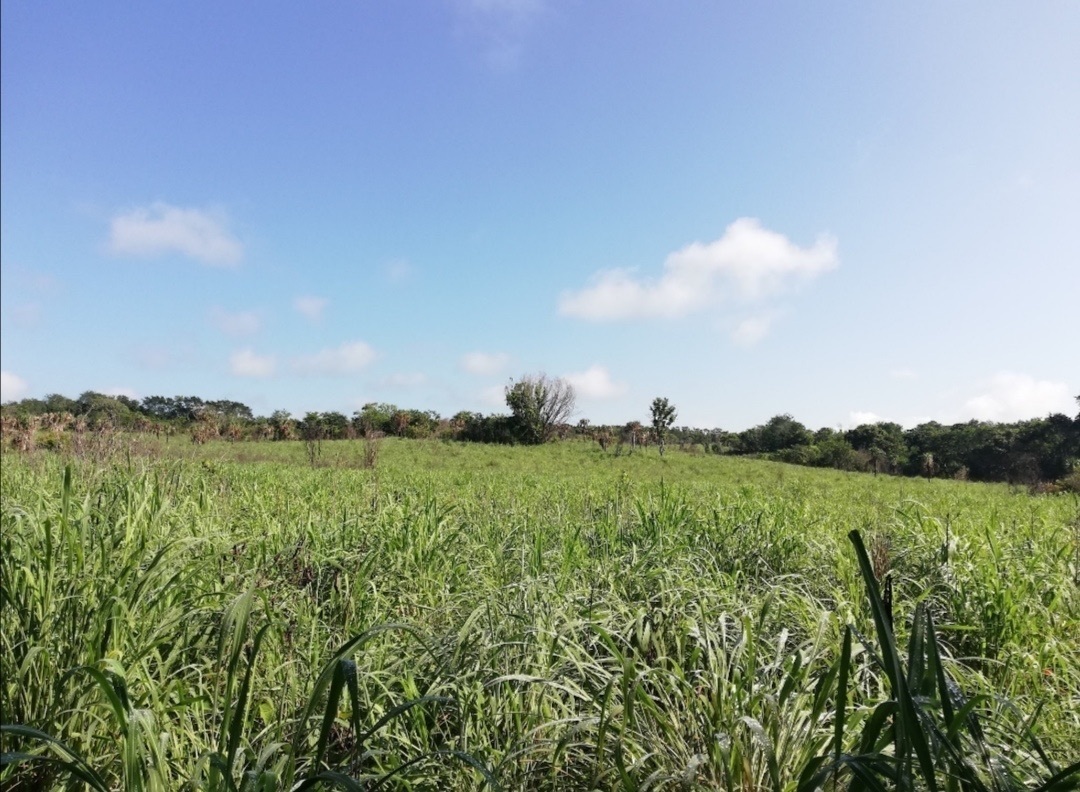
(466,616)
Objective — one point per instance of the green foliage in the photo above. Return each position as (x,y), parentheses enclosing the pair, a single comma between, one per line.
(781,432)
(663,418)
(373,417)
(103,411)
(883,443)
(539,405)
(282,425)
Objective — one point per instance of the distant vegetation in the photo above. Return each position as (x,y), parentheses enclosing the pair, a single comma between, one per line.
(1034,452)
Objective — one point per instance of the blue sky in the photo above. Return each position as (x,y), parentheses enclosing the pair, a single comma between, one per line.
(845,211)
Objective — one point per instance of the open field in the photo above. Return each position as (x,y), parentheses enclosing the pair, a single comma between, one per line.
(552,617)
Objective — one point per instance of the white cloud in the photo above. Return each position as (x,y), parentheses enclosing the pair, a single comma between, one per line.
(858,418)
(484,363)
(348,358)
(904,374)
(748,262)
(161,228)
(245,363)
(12,387)
(1012,397)
(242,323)
(311,307)
(595,384)
(128,392)
(413,379)
(752,329)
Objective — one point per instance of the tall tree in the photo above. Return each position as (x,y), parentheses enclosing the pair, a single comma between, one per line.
(663,417)
(539,404)
(783,431)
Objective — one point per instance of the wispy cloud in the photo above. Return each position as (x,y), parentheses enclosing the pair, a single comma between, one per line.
(484,363)
(398,270)
(349,358)
(241,323)
(245,363)
(595,384)
(38,282)
(1010,396)
(858,418)
(499,27)
(12,387)
(160,228)
(753,329)
(310,306)
(748,263)
(904,374)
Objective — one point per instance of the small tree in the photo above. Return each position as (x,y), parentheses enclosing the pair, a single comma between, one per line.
(663,417)
(313,430)
(539,404)
(929,465)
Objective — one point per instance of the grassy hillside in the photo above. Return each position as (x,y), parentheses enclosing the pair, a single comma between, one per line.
(549,617)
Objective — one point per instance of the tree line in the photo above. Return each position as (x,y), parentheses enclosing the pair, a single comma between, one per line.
(540,409)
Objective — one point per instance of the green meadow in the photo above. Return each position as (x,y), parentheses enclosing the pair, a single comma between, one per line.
(464,616)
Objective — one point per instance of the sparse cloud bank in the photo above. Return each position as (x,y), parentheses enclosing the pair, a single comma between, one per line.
(160,228)
(349,358)
(484,364)
(748,263)
(245,363)
(12,387)
(595,384)
(1010,396)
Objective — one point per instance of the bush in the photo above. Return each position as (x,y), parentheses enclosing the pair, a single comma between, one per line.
(1071,483)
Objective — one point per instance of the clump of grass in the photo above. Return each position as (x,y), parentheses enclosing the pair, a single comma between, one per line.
(927,734)
(370,456)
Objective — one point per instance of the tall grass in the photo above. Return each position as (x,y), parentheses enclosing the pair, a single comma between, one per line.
(466,618)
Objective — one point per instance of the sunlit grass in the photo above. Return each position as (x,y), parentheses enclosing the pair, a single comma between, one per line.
(228,617)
